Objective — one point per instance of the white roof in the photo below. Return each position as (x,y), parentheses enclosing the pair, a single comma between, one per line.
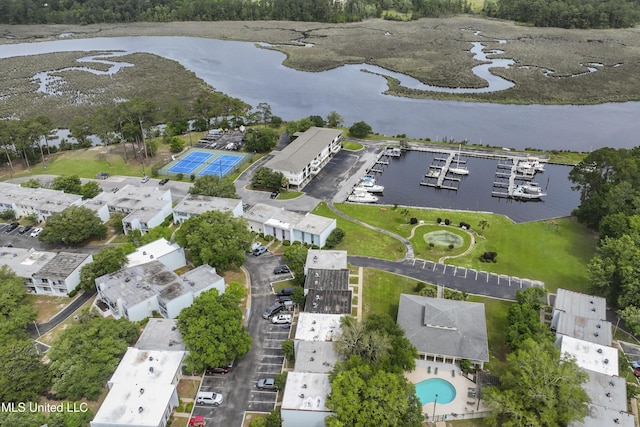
(318,327)
(135,404)
(590,356)
(327,260)
(581,305)
(25,262)
(147,366)
(314,224)
(306,391)
(151,251)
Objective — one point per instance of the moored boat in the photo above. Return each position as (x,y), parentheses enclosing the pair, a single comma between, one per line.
(361,196)
(369,184)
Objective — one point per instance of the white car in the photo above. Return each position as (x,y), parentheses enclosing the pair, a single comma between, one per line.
(36,232)
(145,179)
(282,318)
(209,398)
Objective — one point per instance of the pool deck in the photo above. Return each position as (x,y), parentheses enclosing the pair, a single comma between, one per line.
(462,405)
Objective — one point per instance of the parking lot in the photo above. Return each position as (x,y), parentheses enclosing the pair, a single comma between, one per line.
(264,360)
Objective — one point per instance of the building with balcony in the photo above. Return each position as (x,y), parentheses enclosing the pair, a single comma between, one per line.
(305,156)
(143,208)
(197,204)
(287,225)
(136,292)
(41,202)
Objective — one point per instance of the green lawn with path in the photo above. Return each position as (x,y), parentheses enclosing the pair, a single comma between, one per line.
(554,254)
(360,240)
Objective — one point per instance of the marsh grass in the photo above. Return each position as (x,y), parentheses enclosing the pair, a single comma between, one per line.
(435,51)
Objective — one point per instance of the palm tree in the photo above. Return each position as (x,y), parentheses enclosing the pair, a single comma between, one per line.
(483,223)
(405,213)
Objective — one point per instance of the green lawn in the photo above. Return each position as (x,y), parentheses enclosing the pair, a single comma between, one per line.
(382,292)
(496,316)
(557,255)
(288,195)
(422,249)
(360,240)
(351,145)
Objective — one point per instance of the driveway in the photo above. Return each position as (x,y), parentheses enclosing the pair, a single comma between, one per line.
(265,359)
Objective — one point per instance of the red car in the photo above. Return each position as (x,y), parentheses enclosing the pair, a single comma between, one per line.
(220,370)
(197,421)
(636,372)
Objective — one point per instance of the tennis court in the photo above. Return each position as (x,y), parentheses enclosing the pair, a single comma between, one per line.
(221,165)
(191,162)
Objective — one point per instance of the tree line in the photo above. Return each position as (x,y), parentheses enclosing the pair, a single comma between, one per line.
(112,11)
(608,180)
(567,13)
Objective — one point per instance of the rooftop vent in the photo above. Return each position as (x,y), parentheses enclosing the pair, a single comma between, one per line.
(141,391)
(173,328)
(608,394)
(301,396)
(595,334)
(593,309)
(151,256)
(591,302)
(144,252)
(304,386)
(598,326)
(150,358)
(612,384)
(151,369)
(140,409)
(600,350)
(606,361)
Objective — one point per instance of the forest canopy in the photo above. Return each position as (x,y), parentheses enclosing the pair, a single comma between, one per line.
(542,13)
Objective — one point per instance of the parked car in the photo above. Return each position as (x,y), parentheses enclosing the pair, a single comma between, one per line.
(282,318)
(197,421)
(635,364)
(285,292)
(11,227)
(273,309)
(163,181)
(266,384)
(275,194)
(281,269)
(283,299)
(636,372)
(259,251)
(36,232)
(209,398)
(218,370)
(24,229)
(145,179)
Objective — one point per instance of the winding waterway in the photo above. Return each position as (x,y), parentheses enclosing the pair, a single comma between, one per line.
(256,75)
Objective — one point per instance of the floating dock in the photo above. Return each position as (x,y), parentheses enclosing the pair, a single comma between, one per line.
(437,175)
(507,187)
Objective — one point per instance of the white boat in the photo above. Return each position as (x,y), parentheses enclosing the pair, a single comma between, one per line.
(369,184)
(531,188)
(520,193)
(361,196)
(459,170)
(434,173)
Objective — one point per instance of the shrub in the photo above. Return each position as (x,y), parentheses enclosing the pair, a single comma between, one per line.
(439,220)
(288,350)
(431,244)
(286,243)
(315,247)
(180,176)
(419,286)
(447,221)
(451,246)
(269,238)
(335,238)
(73,293)
(8,214)
(192,177)
(413,220)
(258,422)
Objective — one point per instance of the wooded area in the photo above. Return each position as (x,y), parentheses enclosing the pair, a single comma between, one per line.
(542,13)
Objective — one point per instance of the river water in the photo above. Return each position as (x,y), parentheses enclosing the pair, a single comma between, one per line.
(256,75)
(401,180)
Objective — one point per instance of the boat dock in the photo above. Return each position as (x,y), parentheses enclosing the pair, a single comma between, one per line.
(506,185)
(437,175)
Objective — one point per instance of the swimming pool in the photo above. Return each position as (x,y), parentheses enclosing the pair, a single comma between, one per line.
(426,391)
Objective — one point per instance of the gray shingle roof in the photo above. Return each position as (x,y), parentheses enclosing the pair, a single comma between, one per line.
(445,327)
(300,152)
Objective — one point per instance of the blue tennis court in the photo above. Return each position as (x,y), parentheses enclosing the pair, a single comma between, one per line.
(221,165)
(190,163)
